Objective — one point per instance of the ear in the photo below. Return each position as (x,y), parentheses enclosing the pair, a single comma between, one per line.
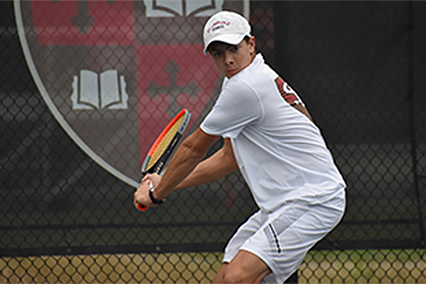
(252,44)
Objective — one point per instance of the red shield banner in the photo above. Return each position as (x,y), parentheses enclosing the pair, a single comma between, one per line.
(113,73)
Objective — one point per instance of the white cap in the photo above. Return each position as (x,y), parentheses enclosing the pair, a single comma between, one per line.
(227,27)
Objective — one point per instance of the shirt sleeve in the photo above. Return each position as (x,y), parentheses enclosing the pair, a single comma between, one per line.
(237,106)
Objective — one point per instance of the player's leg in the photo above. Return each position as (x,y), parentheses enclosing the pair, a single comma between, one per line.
(248,229)
(245,267)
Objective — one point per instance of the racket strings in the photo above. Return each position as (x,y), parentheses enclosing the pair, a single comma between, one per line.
(164,142)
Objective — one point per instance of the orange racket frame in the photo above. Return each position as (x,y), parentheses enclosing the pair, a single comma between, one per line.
(157,166)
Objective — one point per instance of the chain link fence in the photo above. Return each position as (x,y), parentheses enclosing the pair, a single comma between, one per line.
(86,86)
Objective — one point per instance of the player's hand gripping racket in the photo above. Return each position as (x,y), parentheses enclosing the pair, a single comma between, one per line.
(163,146)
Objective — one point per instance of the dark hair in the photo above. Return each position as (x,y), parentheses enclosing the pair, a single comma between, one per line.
(247,39)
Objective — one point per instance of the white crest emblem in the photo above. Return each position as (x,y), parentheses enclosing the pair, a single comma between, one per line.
(114,72)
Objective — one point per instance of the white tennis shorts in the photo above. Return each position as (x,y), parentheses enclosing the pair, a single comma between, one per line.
(283,237)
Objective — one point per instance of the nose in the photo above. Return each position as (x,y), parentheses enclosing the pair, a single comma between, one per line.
(229,60)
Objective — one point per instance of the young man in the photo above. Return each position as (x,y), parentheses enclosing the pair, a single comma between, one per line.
(270,137)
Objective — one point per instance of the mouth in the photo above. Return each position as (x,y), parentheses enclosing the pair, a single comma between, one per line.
(232,72)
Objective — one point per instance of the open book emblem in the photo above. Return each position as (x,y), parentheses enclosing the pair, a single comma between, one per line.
(172,8)
(104,91)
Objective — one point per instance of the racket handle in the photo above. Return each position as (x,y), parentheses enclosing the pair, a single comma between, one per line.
(141,207)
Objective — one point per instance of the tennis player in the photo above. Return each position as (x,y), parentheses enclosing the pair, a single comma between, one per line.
(271,138)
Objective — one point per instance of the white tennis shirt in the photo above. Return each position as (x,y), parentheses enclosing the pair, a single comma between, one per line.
(280,152)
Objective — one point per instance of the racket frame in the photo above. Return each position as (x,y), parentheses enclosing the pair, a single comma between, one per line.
(158,166)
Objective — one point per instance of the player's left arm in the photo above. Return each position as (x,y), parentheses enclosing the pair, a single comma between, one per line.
(218,165)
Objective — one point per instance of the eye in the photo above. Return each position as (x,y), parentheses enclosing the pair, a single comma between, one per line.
(235,48)
(216,53)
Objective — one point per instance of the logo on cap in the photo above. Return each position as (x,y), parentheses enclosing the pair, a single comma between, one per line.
(218,25)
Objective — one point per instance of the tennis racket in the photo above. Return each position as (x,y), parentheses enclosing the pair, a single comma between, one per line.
(163,146)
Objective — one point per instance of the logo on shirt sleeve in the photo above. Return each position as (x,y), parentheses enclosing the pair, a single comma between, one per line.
(288,94)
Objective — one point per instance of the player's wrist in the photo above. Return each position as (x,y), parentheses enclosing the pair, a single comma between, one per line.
(152,197)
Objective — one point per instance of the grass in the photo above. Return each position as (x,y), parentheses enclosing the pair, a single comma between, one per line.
(350,266)
(364,266)
(118,268)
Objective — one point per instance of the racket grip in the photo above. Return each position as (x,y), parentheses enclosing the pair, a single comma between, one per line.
(141,207)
